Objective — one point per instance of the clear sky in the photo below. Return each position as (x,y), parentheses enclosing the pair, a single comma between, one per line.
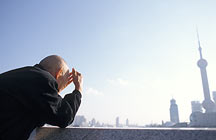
(135,55)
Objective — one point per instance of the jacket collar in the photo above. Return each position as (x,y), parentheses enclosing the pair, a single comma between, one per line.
(39,66)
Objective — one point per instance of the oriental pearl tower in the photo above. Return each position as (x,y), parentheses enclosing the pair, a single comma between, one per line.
(207,104)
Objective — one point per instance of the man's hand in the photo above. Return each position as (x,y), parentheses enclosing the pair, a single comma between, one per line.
(77,79)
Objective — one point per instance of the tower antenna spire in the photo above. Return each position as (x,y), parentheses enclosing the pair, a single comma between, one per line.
(200,49)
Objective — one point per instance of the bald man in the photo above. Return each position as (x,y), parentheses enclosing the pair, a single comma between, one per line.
(29,97)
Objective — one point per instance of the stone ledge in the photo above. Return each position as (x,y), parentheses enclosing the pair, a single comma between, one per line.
(50,133)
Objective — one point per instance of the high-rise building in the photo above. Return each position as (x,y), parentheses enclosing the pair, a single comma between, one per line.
(196,106)
(92,123)
(174,115)
(117,122)
(127,122)
(207,104)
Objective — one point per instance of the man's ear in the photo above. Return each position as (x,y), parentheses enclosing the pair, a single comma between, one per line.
(59,73)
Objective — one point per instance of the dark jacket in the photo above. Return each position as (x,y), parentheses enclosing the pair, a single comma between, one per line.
(29,98)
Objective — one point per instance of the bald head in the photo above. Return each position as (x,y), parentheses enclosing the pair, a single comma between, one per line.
(53,64)
(58,68)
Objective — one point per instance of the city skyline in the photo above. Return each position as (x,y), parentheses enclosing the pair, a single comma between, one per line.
(81,121)
(134,55)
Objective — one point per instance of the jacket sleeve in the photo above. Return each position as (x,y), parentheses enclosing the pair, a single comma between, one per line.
(65,111)
(59,111)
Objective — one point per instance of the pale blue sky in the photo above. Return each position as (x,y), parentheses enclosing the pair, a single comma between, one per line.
(134,54)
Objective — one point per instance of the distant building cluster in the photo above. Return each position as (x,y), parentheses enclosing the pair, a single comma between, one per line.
(198,117)
(81,121)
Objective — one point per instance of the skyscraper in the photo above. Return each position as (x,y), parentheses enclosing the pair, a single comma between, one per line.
(196,106)
(174,115)
(127,122)
(207,104)
(117,122)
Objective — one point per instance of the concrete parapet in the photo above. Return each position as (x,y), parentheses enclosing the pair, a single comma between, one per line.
(50,133)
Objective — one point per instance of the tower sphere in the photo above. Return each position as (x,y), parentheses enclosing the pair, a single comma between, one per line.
(202,63)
